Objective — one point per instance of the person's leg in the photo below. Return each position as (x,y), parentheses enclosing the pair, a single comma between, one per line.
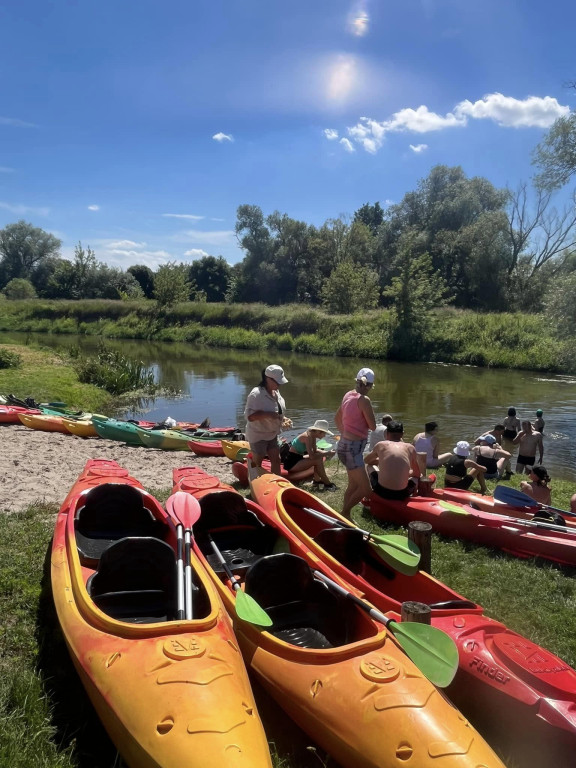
(317,462)
(509,446)
(501,463)
(478,475)
(358,487)
(274,456)
(257,459)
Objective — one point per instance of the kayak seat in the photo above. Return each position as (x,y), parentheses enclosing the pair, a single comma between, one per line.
(349,547)
(241,546)
(136,581)
(222,509)
(303,611)
(112,511)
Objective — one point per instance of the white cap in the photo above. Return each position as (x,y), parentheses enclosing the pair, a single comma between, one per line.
(462,448)
(365,375)
(277,373)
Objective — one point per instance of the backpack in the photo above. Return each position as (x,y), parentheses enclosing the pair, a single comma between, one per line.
(284,450)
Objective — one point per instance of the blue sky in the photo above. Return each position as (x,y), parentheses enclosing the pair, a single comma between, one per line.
(139,127)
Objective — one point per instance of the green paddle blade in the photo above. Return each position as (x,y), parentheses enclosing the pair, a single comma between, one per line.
(248,610)
(433,651)
(453,508)
(242,453)
(398,552)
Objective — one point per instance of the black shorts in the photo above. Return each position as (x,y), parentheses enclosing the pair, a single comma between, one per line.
(461,485)
(388,493)
(291,460)
(528,461)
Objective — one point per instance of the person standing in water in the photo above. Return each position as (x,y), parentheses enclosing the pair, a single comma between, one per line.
(354,419)
(538,425)
(511,428)
(528,443)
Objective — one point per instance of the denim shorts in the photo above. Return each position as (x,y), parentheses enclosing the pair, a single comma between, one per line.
(350,452)
(262,447)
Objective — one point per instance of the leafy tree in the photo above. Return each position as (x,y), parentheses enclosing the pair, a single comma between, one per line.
(19,288)
(370,215)
(560,306)
(555,156)
(212,276)
(415,290)
(171,284)
(145,278)
(22,248)
(351,288)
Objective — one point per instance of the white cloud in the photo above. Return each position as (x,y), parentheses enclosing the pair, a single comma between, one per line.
(330,134)
(93,207)
(214,219)
(111,244)
(347,144)
(15,122)
(5,169)
(358,19)
(532,112)
(189,216)
(418,148)
(24,210)
(505,111)
(196,253)
(197,236)
(220,137)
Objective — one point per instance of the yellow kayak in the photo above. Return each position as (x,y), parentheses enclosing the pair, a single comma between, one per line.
(232,448)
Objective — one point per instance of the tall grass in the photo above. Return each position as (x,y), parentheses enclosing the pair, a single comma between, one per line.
(114,372)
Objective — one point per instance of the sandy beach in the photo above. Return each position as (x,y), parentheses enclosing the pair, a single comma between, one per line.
(42,466)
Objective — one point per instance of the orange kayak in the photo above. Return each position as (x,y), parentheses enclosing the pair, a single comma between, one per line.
(172,693)
(43,422)
(525,707)
(341,676)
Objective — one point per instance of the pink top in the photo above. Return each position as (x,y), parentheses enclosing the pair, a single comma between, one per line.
(353,420)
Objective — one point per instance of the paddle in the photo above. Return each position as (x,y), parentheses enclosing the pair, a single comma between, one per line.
(397,551)
(514,498)
(433,651)
(184,510)
(508,518)
(246,607)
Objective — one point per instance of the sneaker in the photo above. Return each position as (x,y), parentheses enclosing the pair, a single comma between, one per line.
(330,487)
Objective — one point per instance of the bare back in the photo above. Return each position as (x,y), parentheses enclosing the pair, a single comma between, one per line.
(396,463)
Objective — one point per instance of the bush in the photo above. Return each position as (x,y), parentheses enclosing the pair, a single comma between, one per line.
(9,359)
(115,373)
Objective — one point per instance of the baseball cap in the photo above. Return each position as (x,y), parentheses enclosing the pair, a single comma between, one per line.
(277,373)
(539,412)
(490,439)
(366,375)
(462,448)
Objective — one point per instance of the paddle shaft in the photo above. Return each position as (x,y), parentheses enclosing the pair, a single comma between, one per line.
(188,574)
(376,615)
(180,614)
(223,563)
(513,497)
(334,521)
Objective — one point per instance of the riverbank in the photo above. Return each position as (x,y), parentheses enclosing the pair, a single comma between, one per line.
(499,340)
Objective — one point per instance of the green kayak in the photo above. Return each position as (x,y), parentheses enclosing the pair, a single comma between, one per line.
(114,429)
(166,439)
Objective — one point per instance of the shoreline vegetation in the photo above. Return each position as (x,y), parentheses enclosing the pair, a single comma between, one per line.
(453,336)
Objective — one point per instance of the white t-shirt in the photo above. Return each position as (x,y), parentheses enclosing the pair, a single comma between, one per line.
(376,436)
(260,399)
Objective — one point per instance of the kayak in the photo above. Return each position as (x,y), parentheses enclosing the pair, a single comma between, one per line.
(232,448)
(340,675)
(512,534)
(115,429)
(80,427)
(43,422)
(165,439)
(170,692)
(519,695)
(206,447)
(9,414)
(240,472)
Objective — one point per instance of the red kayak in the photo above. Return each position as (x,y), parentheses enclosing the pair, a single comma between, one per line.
(511,532)
(206,447)
(240,472)
(9,413)
(522,697)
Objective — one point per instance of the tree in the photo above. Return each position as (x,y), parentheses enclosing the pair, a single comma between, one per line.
(171,284)
(555,156)
(19,288)
(145,277)
(370,215)
(560,306)
(212,276)
(22,248)
(351,288)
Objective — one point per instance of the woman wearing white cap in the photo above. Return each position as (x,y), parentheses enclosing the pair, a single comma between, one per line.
(354,419)
(304,454)
(265,418)
(461,471)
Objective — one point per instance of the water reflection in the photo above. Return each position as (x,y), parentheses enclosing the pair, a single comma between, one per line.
(463,400)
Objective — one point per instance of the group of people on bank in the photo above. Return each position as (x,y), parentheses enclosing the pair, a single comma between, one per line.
(376,457)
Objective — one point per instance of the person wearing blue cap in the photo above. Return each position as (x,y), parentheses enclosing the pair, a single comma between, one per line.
(491,456)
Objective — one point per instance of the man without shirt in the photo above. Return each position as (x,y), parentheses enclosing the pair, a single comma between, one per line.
(528,441)
(397,464)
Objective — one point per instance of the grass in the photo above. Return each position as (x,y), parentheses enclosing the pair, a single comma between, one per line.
(47,377)
(46,720)
(498,340)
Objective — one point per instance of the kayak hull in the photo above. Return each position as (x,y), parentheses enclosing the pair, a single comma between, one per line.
(232,448)
(43,423)
(81,428)
(9,414)
(170,693)
(515,692)
(240,472)
(362,701)
(206,447)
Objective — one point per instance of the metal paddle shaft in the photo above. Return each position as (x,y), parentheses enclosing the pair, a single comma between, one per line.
(246,607)
(515,498)
(180,614)
(184,511)
(432,651)
(493,522)
(397,551)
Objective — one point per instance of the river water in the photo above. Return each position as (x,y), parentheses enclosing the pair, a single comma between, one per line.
(464,400)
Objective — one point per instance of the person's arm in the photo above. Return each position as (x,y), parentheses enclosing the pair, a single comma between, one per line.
(261,415)
(338,419)
(414,465)
(310,443)
(371,458)
(435,442)
(366,407)
(473,465)
(540,447)
(500,453)
(518,438)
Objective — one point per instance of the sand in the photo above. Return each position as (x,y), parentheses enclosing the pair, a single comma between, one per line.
(42,466)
